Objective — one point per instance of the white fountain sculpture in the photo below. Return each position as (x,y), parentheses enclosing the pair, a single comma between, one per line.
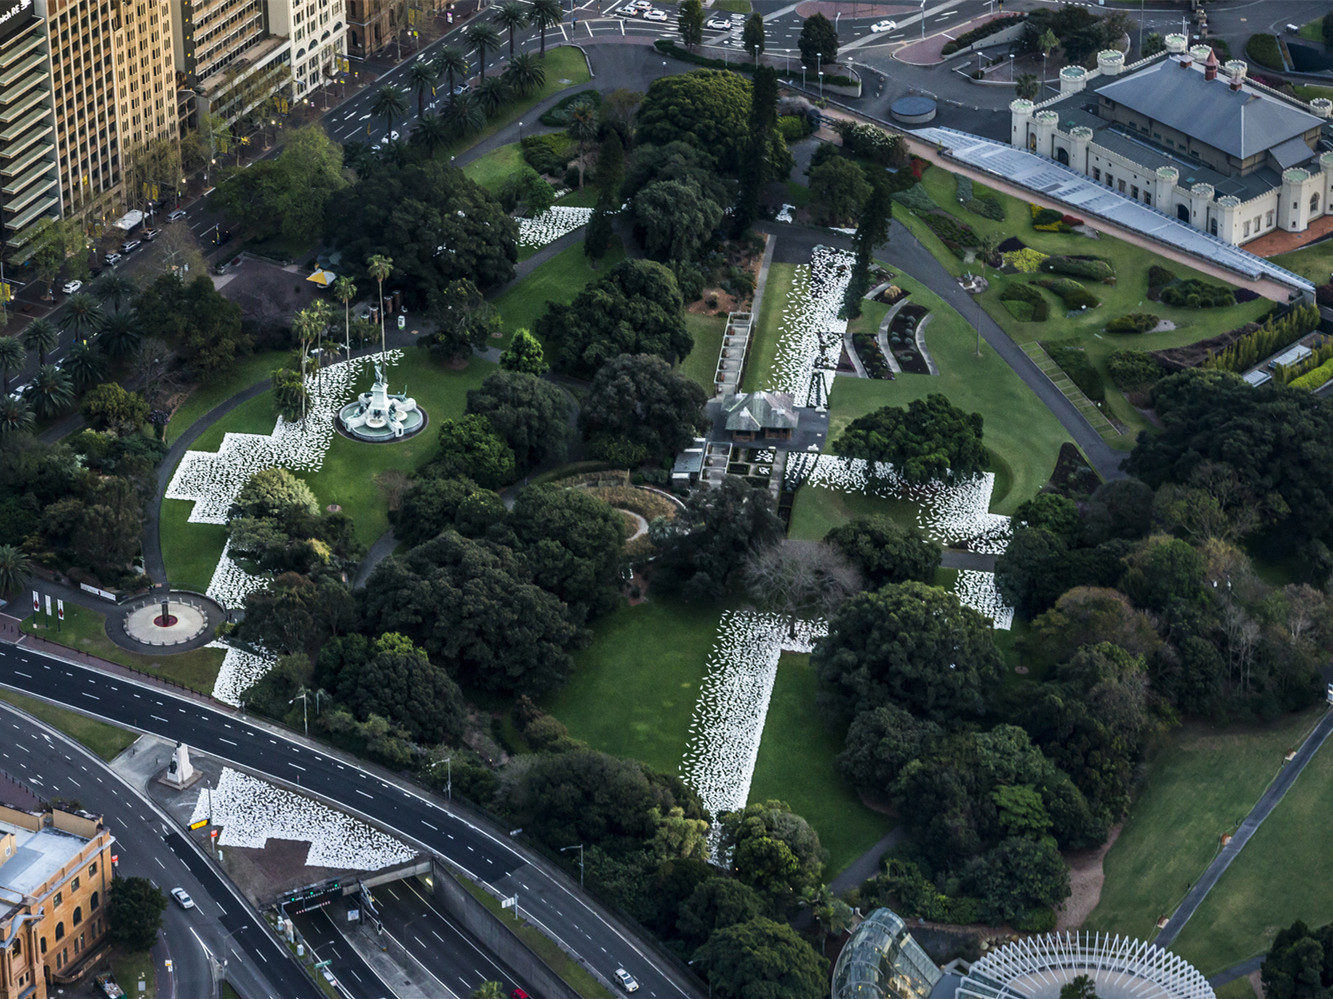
(378,410)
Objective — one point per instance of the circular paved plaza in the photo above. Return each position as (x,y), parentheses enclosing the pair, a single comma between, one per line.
(189,622)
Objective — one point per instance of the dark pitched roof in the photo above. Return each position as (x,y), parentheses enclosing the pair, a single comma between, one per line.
(756,411)
(1241,123)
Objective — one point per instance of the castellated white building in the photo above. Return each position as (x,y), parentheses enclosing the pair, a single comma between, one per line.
(1193,139)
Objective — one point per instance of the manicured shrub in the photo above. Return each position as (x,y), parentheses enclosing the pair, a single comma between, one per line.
(987,206)
(870,143)
(915,199)
(956,235)
(1045,216)
(1133,370)
(962,187)
(1134,322)
(1034,307)
(1263,49)
(1196,294)
(1085,267)
(1159,276)
(1073,294)
(1025,261)
(1074,362)
(793,127)
(1312,380)
(547,154)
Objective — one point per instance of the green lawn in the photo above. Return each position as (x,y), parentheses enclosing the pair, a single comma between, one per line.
(648,662)
(1022,435)
(1314,262)
(107,741)
(1239,988)
(565,67)
(796,764)
(558,280)
(1308,92)
(1281,876)
(764,336)
(1313,32)
(496,167)
(129,967)
(1128,294)
(218,389)
(701,364)
(254,416)
(85,631)
(1198,786)
(190,551)
(734,6)
(586,198)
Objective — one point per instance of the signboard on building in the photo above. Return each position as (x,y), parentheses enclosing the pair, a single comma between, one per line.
(14,15)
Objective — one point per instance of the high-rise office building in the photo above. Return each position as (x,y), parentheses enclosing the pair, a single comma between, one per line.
(29,181)
(113,82)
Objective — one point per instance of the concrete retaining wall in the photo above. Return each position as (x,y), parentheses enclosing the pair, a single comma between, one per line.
(1003,37)
(498,938)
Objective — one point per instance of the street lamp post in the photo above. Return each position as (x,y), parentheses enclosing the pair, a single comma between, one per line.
(449,776)
(821,84)
(579,847)
(923,20)
(305,707)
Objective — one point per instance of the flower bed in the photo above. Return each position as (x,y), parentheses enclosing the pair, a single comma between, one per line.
(728,722)
(252,811)
(1024,261)
(551,224)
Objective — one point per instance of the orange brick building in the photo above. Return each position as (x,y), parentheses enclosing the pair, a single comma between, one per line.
(55,873)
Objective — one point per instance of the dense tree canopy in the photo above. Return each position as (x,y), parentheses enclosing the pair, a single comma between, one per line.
(572,542)
(529,414)
(286,196)
(472,607)
(706,108)
(929,439)
(1299,965)
(762,959)
(639,398)
(885,551)
(818,42)
(436,503)
(437,225)
(911,645)
(197,320)
(470,446)
(134,912)
(773,850)
(635,308)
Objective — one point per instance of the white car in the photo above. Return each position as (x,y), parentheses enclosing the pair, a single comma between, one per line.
(71,287)
(182,898)
(718,24)
(627,981)
(177,215)
(655,15)
(879,26)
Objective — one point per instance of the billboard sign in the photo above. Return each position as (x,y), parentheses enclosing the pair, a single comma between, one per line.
(15,14)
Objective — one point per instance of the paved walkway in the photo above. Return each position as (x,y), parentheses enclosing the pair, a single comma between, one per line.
(1263,807)
(866,866)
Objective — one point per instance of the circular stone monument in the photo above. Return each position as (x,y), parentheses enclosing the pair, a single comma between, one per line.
(379,416)
(165,623)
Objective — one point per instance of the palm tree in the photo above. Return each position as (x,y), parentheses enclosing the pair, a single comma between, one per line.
(83,315)
(492,95)
(546,14)
(380,267)
(120,336)
(511,16)
(14,568)
(525,74)
(431,134)
(582,128)
(15,417)
(389,103)
(84,364)
(450,61)
(488,990)
(42,337)
(421,77)
(323,314)
(12,359)
(344,290)
(115,289)
(465,115)
(1047,42)
(483,38)
(50,392)
(1027,86)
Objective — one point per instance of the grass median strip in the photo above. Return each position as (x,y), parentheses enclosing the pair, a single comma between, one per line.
(107,741)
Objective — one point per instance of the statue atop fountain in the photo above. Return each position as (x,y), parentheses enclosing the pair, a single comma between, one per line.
(380,415)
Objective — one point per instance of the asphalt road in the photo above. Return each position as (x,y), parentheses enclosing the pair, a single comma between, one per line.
(448,952)
(546,899)
(221,922)
(345,964)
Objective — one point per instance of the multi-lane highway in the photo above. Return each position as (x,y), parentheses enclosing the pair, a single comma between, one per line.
(220,928)
(545,898)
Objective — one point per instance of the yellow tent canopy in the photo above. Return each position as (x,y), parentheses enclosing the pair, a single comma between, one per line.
(322,277)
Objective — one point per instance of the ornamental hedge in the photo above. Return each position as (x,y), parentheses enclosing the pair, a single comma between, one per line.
(1317,378)
(1159,277)
(1073,294)
(1195,294)
(1094,268)
(1025,303)
(1134,322)
(977,34)
(1133,370)
(1073,361)
(1264,50)
(558,116)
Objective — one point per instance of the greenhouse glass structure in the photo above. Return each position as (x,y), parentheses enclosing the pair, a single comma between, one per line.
(882,961)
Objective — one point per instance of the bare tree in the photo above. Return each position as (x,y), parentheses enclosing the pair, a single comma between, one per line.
(799,577)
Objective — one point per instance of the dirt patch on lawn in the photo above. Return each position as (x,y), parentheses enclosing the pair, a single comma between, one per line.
(1086,877)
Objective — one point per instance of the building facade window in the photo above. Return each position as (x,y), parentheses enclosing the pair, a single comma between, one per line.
(93,902)
(78,915)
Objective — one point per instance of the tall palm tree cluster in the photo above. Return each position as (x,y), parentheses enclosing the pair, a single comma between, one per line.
(465,110)
(103,332)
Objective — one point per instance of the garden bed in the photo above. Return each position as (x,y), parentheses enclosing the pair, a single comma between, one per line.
(902,339)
